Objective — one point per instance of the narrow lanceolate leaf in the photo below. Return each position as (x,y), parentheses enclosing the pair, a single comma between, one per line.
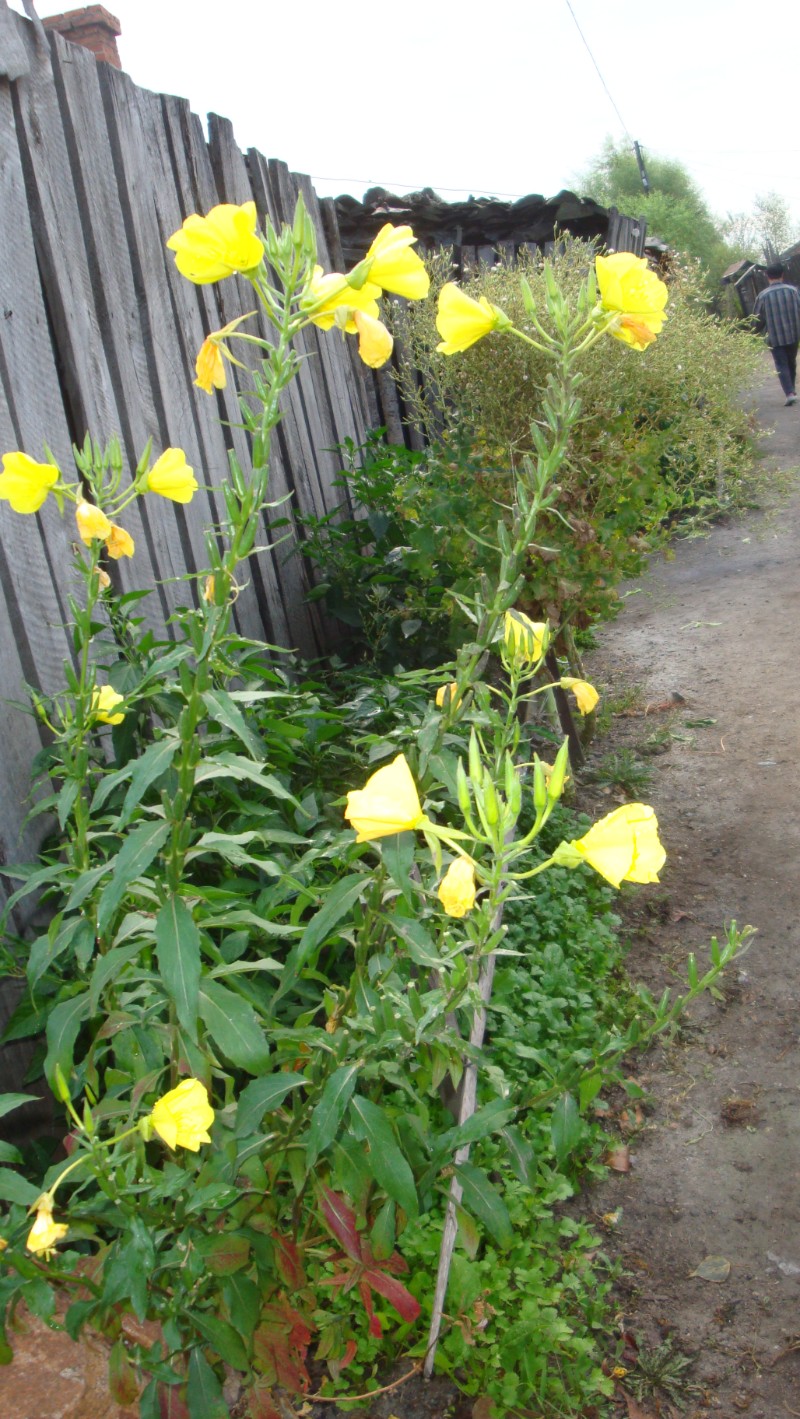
(134,858)
(483,1200)
(385,1161)
(8,1102)
(178,951)
(565,1127)
(142,772)
(234,1026)
(329,1112)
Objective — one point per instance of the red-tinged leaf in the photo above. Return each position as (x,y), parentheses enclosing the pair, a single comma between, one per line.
(406,1305)
(619,1159)
(287,1260)
(280,1346)
(261,1405)
(171,1403)
(341,1219)
(122,1382)
(350,1352)
(366,1296)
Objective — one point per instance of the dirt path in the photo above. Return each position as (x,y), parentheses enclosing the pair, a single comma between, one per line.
(716,1170)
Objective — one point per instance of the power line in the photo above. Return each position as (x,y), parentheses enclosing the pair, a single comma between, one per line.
(599,75)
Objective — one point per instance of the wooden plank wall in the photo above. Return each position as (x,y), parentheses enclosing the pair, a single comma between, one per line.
(99,333)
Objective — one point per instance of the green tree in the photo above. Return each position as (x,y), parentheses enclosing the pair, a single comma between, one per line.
(675,208)
(766,229)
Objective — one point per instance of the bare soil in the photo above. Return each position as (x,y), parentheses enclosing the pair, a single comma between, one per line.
(716,1167)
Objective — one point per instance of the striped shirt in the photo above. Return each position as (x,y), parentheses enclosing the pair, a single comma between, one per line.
(779,307)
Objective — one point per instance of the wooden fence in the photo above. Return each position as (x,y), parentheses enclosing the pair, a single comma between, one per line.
(99,333)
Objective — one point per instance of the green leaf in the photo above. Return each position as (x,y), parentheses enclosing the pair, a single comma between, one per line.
(135,856)
(385,1161)
(224,1339)
(15,1188)
(520,1155)
(565,1127)
(107,968)
(330,1110)
(85,885)
(150,767)
(236,767)
(222,708)
(9,1102)
(76,934)
(482,1199)
(260,1097)
(338,903)
(234,1026)
(243,1302)
(485,1121)
(63,1025)
(122,1382)
(178,952)
(203,1391)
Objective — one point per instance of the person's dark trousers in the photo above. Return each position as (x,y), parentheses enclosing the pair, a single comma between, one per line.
(785,357)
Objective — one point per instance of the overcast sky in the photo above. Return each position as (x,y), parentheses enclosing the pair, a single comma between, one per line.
(495,99)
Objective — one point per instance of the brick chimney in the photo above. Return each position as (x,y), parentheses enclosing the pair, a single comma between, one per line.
(93,27)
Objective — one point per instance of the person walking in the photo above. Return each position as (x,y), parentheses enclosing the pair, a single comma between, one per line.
(777,309)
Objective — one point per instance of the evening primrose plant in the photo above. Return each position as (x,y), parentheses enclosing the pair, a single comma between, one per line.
(275,918)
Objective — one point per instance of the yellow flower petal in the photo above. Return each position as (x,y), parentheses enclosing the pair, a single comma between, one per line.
(525,640)
(394,266)
(333,291)
(461,321)
(448,693)
(92,522)
(210,368)
(457,887)
(104,702)
(119,543)
(212,247)
(45,1232)
(624,846)
(586,696)
(24,483)
(375,344)
(183,1116)
(171,477)
(629,287)
(388,803)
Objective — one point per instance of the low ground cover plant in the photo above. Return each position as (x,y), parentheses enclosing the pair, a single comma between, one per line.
(278,918)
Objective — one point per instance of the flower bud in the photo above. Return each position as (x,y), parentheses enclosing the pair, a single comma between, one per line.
(555,786)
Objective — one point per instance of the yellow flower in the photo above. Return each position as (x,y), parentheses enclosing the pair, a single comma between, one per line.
(393,266)
(3,1243)
(104,579)
(210,248)
(44,1233)
(25,483)
(624,846)
(92,522)
(375,344)
(208,590)
(461,321)
(629,287)
(335,294)
(119,543)
(388,803)
(104,703)
(586,696)
(446,694)
(209,367)
(549,770)
(171,477)
(525,640)
(457,887)
(183,1116)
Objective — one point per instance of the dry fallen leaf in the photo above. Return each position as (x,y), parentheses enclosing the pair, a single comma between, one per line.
(713,1268)
(619,1159)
